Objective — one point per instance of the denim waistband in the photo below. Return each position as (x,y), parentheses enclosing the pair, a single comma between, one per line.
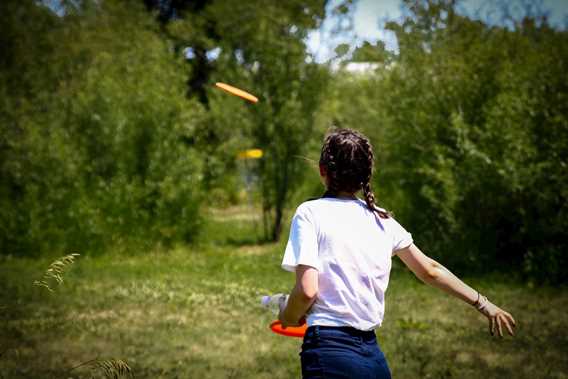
(366,334)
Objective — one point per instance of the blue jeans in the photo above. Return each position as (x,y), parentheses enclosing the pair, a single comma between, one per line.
(342,352)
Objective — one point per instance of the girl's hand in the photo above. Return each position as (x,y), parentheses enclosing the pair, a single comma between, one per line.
(286,323)
(497,317)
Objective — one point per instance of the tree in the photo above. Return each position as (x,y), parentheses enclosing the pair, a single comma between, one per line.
(471,130)
(261,48)
(95,151)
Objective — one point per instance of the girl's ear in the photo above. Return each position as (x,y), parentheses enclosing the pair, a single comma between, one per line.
(323,175)
(323,171)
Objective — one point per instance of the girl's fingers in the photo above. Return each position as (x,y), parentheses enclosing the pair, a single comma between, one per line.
(499,326)
(511,319)
(508,326)
(500,319)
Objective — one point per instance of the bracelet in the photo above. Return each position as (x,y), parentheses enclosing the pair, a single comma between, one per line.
(476,301)
(481,303)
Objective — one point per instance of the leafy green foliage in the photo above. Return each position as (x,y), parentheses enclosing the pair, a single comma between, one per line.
(259,47)
(470,126)
(95,149)
(109,137)
(266,54)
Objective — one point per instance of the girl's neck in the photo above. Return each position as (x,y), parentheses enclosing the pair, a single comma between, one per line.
(340,194)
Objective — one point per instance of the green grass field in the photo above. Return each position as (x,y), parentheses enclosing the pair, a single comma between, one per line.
(192,312)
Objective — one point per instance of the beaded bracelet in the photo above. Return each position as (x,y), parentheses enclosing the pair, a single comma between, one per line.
(481,302)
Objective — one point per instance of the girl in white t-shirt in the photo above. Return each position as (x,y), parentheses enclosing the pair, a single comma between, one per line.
(340,248)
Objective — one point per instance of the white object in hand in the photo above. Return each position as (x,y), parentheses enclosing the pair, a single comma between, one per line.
(275,303)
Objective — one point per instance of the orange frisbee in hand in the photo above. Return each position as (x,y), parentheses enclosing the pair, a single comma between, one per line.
(290,331)
(237,92)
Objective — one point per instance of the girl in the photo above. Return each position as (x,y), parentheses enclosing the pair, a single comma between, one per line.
(340,248)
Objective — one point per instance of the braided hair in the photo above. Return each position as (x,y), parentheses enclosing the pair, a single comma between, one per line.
(347,156)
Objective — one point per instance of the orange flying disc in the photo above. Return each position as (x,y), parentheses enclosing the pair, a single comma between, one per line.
(290,331)
(237,92)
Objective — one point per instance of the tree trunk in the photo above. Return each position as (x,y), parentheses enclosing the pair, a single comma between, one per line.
(277,230)
(281,194)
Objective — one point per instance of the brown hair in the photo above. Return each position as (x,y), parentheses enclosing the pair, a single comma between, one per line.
(348,157)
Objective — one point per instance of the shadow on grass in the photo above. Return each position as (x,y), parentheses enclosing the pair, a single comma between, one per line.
(248,242)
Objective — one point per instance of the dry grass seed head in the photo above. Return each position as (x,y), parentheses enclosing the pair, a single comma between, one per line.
(110,368)
(55,272)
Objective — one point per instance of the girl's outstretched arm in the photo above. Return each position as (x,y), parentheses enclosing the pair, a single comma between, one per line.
(302,296)
(431,272)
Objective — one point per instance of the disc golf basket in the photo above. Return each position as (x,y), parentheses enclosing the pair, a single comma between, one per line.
(248,159)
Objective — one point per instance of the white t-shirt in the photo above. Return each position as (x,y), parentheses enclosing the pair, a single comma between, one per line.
(352,249)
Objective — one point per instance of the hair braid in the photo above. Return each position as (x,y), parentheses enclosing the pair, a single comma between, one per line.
(366,184)
(370,200)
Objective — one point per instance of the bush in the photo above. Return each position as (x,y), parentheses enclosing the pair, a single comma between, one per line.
(470,128)
(99,156)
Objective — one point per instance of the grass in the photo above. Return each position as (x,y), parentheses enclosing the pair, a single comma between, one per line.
(192,312)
